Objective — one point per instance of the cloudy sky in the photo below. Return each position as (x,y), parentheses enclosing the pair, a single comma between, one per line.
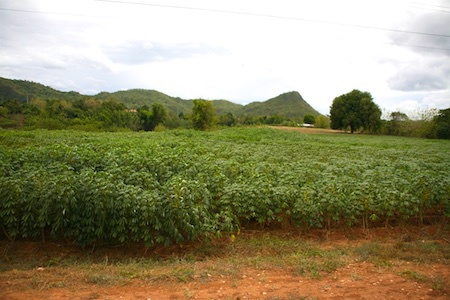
(238,50)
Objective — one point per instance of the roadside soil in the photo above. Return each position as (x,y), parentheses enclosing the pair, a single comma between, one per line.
(355,280)
(371,283)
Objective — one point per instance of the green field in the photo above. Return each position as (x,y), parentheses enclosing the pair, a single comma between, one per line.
(175,186)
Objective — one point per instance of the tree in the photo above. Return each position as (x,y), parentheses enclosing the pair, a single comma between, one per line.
(309,119)
(203,115)
(151,119)
(355,110)
(399,116)
(442,124)
(13,106)
(3,112)
(397,124)
(322,122)
(227,120)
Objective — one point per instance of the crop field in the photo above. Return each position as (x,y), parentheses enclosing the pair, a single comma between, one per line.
(163,188)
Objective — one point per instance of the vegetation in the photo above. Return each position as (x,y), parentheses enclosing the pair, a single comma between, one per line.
(151,119)
(309,119)
(203,115)
(31,105)
(442,124)
(322,121)
(355,110)
(22,104)
(288,105)
(431,123)
(175,186)
(200,188)
(396,124)
(24,91)
(223,257)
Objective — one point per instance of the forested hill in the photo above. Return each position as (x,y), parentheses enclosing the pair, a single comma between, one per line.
(140,97)
(290,105)
(23,90)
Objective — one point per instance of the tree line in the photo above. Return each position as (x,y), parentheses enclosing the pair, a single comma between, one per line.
(356,111)
(91,114)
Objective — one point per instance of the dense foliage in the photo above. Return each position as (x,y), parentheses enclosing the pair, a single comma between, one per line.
(430,123)
(442,124)
(173,186)
(355,110)
(19,98)
(23,91)
(203,115)
(309,119)
(109,115)
(152,118)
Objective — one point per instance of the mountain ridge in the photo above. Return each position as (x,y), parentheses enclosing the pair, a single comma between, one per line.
(290,104)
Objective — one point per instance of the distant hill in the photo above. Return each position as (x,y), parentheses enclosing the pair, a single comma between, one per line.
(290,105)
(141,97)
(21,90)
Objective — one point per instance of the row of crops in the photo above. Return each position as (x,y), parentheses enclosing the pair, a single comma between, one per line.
(170,187)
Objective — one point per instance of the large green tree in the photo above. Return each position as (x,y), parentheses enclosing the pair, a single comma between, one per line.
(203,115)
(355,110)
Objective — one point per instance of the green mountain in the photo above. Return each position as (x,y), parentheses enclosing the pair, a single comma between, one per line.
(140,97)
(290,105)
(23,90)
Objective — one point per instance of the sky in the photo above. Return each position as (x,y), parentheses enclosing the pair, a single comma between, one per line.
(238,50)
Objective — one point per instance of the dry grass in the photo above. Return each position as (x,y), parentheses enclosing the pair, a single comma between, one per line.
(37,266)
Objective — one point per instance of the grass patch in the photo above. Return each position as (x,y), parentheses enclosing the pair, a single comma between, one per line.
(39,283)
(415,276)
(422,252)
(308,267)
(314,261)
(373,252)
(438,282)
(315,266)
(184,274)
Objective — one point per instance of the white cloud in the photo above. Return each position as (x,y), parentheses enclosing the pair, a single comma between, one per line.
(426,67)
(421,76)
